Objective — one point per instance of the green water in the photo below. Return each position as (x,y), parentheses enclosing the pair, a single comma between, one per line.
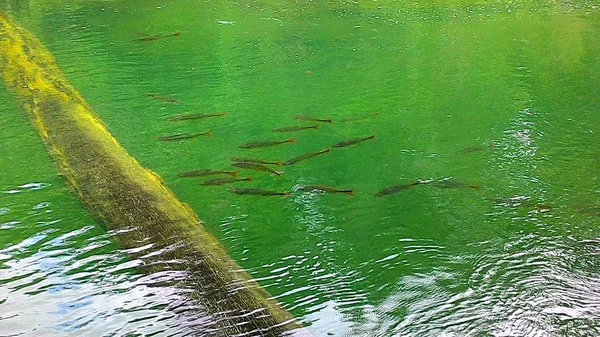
(519,256)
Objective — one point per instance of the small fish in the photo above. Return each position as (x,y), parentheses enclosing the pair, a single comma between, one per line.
(452,184)
(256,191)
(265,144)
(156,37)
(352,141)
(255,161)
(322,188)
(303,157)
(474,149)
(205,172)
(164,99)
(314,119)
(182,136)
(395,189)
(223,181)
(255,167)
(194,116)
(296,128)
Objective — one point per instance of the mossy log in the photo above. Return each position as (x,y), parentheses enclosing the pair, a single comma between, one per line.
(121,194)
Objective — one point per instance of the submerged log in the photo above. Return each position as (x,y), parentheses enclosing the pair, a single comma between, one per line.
(121,194)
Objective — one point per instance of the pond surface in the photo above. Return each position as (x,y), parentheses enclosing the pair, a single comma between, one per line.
(490,110)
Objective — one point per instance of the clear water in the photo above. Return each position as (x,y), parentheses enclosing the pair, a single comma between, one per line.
(519,256)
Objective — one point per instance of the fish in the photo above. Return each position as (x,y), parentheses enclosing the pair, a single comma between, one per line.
(352,141)
(452,184)
(187,117)
(156,37)
(205,172)
(395,189)
(265,144)
(314,119)
(255,161)
(304,156)
(474,149)
(255,167)
(296,128)
(223,181)
(182,136)
(257,192)
(164,99)
(323,188)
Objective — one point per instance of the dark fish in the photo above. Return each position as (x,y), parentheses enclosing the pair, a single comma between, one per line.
(314,119)
(322,188)
(255,161)
(352,141)
(296,128)
(452,184)
(395,189)
(194,116)
(205,172)
(182,136)
(303,157)
(359,118)
(223,181)
(265,144)
(164,99)
(156,37)
(474,149)
(256,167)
(256,191)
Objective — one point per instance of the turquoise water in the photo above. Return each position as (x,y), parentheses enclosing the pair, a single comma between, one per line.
(516,83)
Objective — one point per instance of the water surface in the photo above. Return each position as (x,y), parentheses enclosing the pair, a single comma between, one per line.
(502,96)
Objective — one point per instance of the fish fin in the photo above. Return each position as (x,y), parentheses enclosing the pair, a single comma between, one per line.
(208,134)
(292,141)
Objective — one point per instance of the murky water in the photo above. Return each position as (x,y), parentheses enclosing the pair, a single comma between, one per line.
(494,107)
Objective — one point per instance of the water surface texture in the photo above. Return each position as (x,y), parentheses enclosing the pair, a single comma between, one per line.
(492,107)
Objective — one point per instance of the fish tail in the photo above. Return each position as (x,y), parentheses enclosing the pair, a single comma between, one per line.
(316,126)
(475,187)
(286,194)
(371,137)
(233,173)
(325,151)
(348,192)
(178,34)
(246,179)
(222,113)
(277,173)
(492,145)
(292,141)
(207,134)
(328,121)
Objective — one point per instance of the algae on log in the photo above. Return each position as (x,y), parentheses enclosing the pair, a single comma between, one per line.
(122,194)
